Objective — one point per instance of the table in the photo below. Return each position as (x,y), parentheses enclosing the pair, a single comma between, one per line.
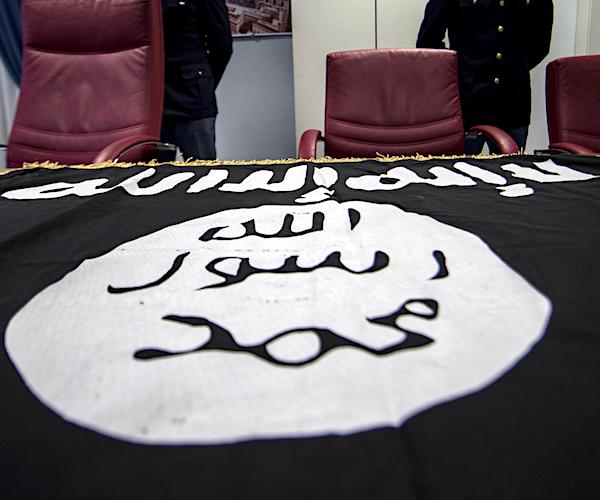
(360,329)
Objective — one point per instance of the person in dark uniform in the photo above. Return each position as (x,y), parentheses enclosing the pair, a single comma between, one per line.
(198,46)
(498,42)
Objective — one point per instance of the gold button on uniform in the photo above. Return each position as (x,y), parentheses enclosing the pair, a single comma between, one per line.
(500,29)
(496,80)
(499,55)
(501,3)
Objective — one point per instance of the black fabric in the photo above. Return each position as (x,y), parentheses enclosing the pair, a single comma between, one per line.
(534,433)
(472,27)
(10,37)
(198,46)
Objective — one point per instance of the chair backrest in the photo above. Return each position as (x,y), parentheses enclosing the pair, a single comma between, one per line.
(392,101)
(573,100)
(92,74)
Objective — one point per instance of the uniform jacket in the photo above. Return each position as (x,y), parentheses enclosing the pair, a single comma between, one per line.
(498,42)
(198,46)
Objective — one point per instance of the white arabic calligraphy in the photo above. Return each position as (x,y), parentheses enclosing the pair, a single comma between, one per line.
(465,175)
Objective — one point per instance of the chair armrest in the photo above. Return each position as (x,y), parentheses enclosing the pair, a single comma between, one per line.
(116,149)
(307,148)
(570,147)
(504,142)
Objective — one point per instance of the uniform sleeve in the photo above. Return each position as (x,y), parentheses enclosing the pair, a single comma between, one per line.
(218,37)
(434,25)
(541,32)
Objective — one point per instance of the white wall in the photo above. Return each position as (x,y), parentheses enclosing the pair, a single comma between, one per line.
(322,26)
(8,102)
(563,45)
(398,23)
(594,28)
(587,39)
(256,100)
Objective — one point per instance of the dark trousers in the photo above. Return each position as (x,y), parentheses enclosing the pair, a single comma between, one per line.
(194,138)
(474,145)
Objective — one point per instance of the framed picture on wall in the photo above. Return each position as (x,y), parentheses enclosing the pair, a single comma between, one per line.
(260,17)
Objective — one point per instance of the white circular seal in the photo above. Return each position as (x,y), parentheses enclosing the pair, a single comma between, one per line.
(273,322)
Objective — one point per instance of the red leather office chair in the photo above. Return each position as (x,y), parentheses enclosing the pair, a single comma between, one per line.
(573,104)
(393,102)
(92,80)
